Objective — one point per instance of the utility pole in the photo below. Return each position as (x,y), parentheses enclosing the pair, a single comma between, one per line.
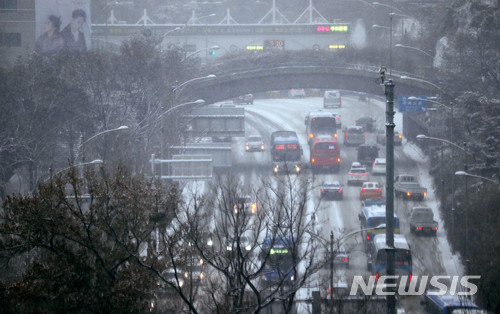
(389,214)
(332,257)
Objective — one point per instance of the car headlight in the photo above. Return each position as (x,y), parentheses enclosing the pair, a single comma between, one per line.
(297,168)
(248,247)
(276,169)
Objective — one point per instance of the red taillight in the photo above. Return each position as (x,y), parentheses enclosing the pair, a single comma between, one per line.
(434,228)
(410,275)
(378,191)
(346,136)
(373,164)
(363,135)
(362,190)
(409,194)
(400,137)
(419,228)
(376,276)
(335,135)
(280,146)
(367,237)
(323,191)
(344,259)
(302,89)
(340,191)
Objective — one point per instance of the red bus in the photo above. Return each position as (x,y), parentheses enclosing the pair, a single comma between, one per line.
(325,153)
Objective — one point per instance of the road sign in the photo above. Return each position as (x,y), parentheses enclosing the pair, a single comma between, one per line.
(416,104)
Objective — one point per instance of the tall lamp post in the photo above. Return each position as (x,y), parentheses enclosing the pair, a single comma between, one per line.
(464,149)
(414,48)
(174,94)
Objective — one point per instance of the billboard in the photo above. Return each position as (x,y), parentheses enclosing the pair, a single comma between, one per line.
(62,25)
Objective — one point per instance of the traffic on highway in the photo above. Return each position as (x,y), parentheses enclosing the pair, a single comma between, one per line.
(350,204)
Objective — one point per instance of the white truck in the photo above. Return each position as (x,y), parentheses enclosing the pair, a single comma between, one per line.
(407,187)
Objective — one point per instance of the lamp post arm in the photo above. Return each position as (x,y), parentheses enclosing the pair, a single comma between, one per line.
(414,48)
(123,127)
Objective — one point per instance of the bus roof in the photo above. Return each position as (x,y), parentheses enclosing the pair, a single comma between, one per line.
(399,241)
(451,300)
(286,140)
(375,211)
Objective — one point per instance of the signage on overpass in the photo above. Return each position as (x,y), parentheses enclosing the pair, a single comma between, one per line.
(412,103)
(217,121)
(222,29)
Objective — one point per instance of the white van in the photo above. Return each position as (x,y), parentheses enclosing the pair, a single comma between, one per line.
(332,99)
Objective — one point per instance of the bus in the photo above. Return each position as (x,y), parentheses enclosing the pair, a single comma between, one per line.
(373,221)
(448,304)
(325,153)
(277,255)
(320,122)
(286,152)
(377,259)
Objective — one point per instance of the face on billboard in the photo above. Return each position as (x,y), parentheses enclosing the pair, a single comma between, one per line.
(62,25)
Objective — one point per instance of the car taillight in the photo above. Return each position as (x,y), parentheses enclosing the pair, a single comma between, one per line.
(373,164)
(434,228)
(311,135)
(323,191)
(344,259)
(410,276)
(425,194)
(376,276)
(419,228)
(368,237)
(340,191)
(400,137)
(338,160)
(363,135)
(378,191)
(313,161)
(408,194)
(362,190)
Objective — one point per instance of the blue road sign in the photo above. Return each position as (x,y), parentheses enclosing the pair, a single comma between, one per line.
(414,104)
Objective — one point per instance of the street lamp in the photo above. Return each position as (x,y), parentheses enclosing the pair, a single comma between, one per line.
(388,6)
(380,26)
(421,136)
(464,149)
(216,47)
(82,142)
(463,173)
(95,161)
(414,48)
(404,77)
(165,114)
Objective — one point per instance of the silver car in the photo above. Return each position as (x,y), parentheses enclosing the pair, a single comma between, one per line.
(254,143)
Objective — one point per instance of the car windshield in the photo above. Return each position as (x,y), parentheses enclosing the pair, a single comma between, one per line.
(354,131)
(331,185)
(254,139)
(358,170)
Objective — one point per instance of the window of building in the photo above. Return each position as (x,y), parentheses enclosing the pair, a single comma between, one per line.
(8,4)
(10,39)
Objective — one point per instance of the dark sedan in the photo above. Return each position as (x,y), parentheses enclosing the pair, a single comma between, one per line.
(332,190)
